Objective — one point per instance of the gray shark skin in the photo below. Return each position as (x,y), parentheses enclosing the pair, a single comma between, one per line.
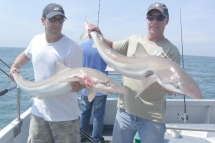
(170,76)
(60,83)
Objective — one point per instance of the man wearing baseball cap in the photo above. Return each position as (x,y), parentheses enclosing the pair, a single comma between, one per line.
(159,6)
(57,117)
(145,114)
(53,9)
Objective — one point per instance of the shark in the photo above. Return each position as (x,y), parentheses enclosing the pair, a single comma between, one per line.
(60,83)
(168,74)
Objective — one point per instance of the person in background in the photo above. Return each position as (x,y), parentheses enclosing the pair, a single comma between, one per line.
(146,114)
(53,118)
(92,59)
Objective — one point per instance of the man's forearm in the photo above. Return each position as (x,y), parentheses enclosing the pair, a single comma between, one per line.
(20,61)
(110,43)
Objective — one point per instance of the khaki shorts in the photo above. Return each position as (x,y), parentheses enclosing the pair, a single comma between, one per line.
(42,131)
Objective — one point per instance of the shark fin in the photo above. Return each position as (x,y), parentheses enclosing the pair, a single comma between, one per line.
(86,24)
(109,68)
(58,67)
(140,51)
(91,94)
(150,80)
(36,97)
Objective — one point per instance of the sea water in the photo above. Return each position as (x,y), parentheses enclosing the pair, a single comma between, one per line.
(200,68)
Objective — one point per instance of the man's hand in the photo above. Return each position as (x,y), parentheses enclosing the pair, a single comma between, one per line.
(12,71)
(93,27)
(76,86)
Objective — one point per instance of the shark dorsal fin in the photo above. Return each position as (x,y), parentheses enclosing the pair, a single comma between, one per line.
(58,67)
(140,51)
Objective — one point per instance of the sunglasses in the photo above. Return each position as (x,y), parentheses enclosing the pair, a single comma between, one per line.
(158,17)
(53,19)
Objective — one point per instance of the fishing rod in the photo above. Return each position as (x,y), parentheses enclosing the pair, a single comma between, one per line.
(4,72)
(98,14)
(185,117)
(9,88)
(87,136)
(2,69)
(5,63)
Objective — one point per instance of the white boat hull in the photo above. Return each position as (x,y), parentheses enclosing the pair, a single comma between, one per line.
(199,111)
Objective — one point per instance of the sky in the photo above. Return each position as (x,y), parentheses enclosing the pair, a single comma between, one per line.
(118,19)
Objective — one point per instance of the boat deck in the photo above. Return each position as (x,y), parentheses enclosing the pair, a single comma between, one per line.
(107,134)
(185,136)
(200,128)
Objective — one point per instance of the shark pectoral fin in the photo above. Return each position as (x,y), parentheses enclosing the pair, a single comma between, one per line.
(148,81)
(35,97)
(91,94)
(109,69)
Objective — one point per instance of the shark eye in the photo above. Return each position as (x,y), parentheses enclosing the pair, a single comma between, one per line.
(178,86)
(108,84)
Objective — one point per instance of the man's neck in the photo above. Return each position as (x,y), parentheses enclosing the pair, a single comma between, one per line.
(155,38)
(53,39)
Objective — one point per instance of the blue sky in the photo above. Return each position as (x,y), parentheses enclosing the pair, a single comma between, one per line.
(20,21)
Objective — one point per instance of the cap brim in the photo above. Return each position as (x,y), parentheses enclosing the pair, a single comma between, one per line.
(52,14)
(161,10)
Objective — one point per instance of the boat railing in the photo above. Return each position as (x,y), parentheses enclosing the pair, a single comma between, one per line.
(17,128)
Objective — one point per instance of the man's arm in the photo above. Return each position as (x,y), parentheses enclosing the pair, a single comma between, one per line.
(20,61)
(109,43)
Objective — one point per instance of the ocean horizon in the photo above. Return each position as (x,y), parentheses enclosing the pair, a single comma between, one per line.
(180,53)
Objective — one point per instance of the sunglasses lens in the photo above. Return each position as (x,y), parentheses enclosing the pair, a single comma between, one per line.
(150,17)
(160,17)
(52,20)
(61,20)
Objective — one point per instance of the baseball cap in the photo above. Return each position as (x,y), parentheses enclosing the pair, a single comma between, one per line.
(159,6)
(53,9)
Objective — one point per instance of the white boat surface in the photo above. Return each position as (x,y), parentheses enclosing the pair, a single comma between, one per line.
(199,128)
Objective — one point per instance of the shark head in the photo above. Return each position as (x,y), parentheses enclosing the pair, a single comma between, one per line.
(98,82)
(176,81)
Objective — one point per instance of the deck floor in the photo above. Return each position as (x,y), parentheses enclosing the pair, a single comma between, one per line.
(107,134)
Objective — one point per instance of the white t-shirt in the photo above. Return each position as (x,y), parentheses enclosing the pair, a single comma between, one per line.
(43,55)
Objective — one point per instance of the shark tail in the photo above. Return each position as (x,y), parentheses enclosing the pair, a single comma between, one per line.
(85,33)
